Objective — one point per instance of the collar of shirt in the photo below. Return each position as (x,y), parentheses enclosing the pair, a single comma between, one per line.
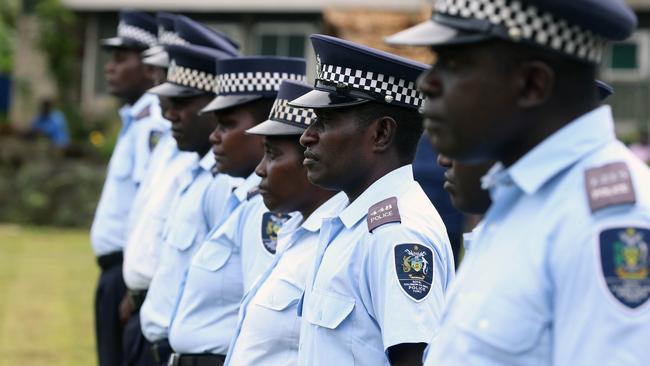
(207,162)
(387,186)
(558,152)
(249,183)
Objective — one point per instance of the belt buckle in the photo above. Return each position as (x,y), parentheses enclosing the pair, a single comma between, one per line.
(173,359)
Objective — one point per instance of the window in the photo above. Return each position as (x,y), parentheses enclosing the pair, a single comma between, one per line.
(285,39)
(628,60)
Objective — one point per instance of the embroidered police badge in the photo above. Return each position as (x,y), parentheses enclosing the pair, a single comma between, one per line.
(271,224)
(625,265)
(609,185)
(413,268)
(154,137)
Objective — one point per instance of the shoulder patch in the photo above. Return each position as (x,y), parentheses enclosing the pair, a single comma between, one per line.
(252,193)
(271,224)
(609,185)
(413,268)
(382,213)
(154,137)
(625,265)
(145,112)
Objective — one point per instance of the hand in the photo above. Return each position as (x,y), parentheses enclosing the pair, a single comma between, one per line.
(126,309)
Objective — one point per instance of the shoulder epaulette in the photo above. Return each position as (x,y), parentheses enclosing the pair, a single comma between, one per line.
(252,193)
(383,212)
(145,112)
(609,185)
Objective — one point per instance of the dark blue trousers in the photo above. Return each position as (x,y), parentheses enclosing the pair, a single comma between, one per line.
(137,349)
(109,294)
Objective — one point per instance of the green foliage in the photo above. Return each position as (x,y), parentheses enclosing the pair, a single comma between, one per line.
(8,13)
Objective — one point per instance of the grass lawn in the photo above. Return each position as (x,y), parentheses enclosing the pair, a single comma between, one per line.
(47,279)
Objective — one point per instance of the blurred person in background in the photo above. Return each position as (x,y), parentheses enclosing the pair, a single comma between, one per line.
(50,123)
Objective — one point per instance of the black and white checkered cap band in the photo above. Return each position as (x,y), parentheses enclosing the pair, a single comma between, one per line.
(192,78)
(527,22)
(282,112)
(166,38)
(388,87)
(250,82)
(129,31)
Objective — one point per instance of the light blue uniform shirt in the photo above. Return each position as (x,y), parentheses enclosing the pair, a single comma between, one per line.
(188,223)
(268,327)
(371,290)
(220,271)
(126,170)
(533,289)
(153,202)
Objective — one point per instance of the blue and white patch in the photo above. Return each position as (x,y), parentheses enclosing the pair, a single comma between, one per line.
(625,264)
(413,267)
(154,138)
(271,224)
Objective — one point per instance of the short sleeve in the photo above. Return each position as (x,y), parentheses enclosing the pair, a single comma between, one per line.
(403,275)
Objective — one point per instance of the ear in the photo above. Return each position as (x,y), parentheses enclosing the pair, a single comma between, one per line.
(536,82)
(384,133)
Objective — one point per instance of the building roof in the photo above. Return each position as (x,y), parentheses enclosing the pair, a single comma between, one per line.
(242,5)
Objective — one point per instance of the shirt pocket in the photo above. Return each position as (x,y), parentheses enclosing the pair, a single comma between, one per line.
(278,295)
(182,236)
(502,325)
(327,309)
(212,256)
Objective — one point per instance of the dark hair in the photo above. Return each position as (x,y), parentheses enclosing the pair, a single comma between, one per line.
(409,125)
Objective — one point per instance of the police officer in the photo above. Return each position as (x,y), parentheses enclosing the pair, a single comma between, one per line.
(243,246)
(128,79)
(384,262)
(154,199)
(559,273)
(201,197)
(156,55)
(268,327)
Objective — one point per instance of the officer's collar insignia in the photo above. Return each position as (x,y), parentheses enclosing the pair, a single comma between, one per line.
(271,224)
(145,112)
(382,213)
(252,193)
(625,264)
(413,267)
(609,185)
(154,137)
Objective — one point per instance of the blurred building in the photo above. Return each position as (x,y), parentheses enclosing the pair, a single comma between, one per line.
(282,27)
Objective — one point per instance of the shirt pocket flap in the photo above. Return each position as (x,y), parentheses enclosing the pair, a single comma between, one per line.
(182,236)
(504,326)
(328,310)
(278,295)
(212,256)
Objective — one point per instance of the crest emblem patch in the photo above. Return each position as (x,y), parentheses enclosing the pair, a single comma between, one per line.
(271,224)
(413,268)
(625,264)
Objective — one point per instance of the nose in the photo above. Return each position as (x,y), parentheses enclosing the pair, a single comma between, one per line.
(109,67)
(215,136)
(309,137)
(260,169)
(429,83)
(444,161)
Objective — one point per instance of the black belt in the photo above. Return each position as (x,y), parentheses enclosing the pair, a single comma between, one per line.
(160,351)
(196,359)
(109,260)
(137,296)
